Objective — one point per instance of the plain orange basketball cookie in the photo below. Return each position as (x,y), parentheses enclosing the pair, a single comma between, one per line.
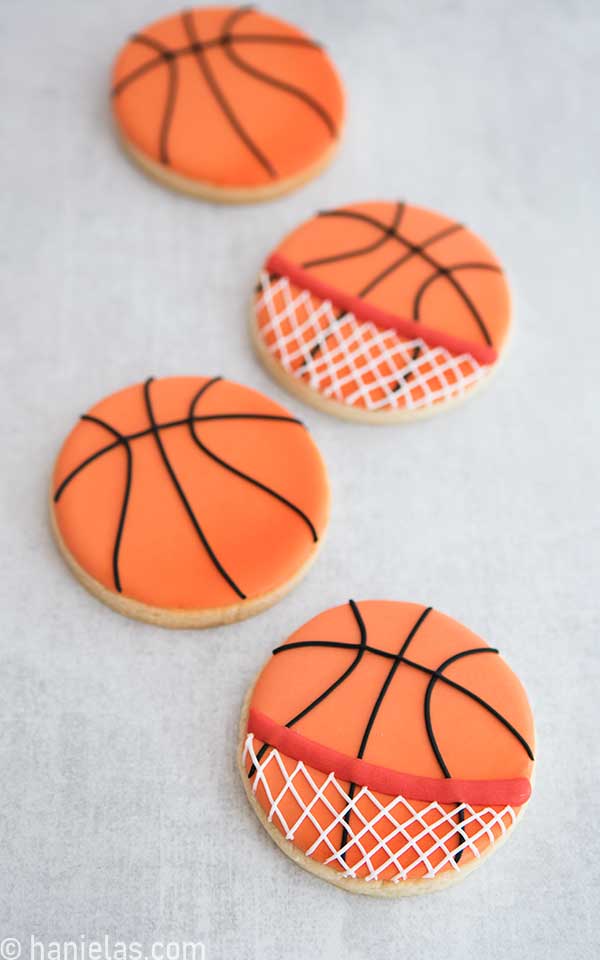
(381,312)
(386,748)
(189,501)
(227,103)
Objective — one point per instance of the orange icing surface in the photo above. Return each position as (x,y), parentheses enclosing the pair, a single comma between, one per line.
(259,541)
(185,94)
(396,260)
(474,744)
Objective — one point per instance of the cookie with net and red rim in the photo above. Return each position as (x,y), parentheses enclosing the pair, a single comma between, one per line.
(387,748)
(227,103)
(381,312)
(189,501)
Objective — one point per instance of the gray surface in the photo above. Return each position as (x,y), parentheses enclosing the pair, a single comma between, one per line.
(120,807)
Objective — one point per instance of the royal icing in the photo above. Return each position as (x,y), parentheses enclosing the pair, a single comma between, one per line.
(190,493)
(227,96)
(383,307)
(389,742)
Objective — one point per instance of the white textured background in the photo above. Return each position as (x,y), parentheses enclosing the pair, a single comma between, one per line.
(120,807)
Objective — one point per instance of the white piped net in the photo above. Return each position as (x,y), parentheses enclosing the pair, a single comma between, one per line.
(357,363)
(389,840)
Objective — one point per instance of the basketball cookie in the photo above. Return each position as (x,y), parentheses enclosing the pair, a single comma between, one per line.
(386,748)
(189,501)
(227,103)
(381,312)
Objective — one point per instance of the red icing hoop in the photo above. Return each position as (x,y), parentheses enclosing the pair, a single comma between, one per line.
(367,312)
(514,792)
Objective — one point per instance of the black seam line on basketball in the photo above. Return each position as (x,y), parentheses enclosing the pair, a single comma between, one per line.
(244,476)
(373,716)
(166,57)
(357,251)
(461,837)
(169,110)
(355,215)
(274,38)
(223,103)
(423,669)
(429,281)
(226,36)
(395,265)
(386,684)
(322,338)
(294,91)
(136,74)
(360,649)
(122,441)
(186,504)
(207,418)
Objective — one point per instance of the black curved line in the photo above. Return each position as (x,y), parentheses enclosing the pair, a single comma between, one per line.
(390,676)
(359,251)
(396,264)
(461,838)
(140,71)
(441,273)
(181,494)
(389,232)
(483,703)
(427,702)
(151,42)
(169,109)
(274,38)
(253,71)
(237,13)
(438,267)
(290,88)
(84,463)
(122,441)
(206,69)
(360,649)
(136,74)
(239,473)
(167,57)
(373,716)
(167,426)
(423,669)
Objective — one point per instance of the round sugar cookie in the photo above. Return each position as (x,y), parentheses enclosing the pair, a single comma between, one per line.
(188,501)
(227,103)
(387,748)
(381,312)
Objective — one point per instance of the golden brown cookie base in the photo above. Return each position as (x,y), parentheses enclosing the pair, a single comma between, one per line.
(216,194)
(373,888)
(180,619)
(343,411)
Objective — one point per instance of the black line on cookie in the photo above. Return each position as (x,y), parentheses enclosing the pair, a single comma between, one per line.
(121,441)
(239,473)
(419,251)
(461,838)
(373,716)
(167,57)
(357,251)
(423,669)
(188,508)
(360,649)
(217,92)
(270,80)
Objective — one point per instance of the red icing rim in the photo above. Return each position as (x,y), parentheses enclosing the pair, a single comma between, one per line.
(513,792)
(367,312)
